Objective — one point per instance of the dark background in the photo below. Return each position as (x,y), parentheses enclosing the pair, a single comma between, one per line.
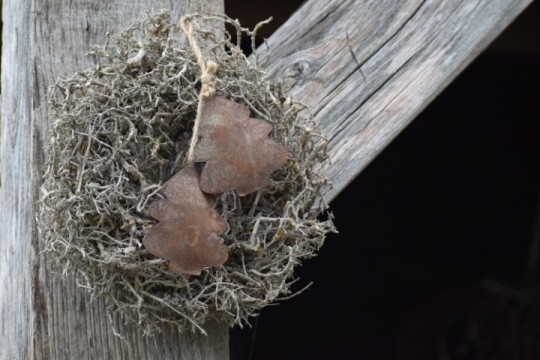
(451,203)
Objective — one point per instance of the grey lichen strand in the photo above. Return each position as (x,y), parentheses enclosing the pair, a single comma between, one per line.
(121,129)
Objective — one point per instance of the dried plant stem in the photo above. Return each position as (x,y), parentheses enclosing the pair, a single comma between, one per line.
(122,127)
(208,69)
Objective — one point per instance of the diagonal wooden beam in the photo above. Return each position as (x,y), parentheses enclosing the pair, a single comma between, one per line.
(368,68)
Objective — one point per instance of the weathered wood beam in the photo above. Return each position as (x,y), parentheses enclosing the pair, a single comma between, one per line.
(368,68)
(42,316)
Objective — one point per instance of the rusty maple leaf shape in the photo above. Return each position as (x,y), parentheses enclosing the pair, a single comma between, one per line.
(238,156)
(188,230)
(236,148)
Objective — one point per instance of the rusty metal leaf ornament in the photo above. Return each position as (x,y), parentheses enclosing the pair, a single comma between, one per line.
(188,230)
(238,156)
(236,148)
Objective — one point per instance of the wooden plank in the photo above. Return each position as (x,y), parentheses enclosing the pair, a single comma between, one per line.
(43,317)
(367,68)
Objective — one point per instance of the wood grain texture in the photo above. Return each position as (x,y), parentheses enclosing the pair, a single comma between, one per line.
(367,68)
(42,316)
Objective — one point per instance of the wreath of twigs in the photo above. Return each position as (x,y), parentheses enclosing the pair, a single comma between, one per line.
(121,128)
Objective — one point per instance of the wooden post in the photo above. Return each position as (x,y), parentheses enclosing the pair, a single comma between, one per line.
(43,317)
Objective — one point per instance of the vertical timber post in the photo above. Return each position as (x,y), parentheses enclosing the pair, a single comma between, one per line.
(43,317)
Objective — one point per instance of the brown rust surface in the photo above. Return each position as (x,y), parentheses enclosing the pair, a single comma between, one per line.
(236,148)
(188,232)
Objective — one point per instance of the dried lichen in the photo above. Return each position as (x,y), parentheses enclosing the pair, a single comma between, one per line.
(122,128)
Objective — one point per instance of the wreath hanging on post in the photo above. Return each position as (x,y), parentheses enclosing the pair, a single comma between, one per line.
(180,180)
